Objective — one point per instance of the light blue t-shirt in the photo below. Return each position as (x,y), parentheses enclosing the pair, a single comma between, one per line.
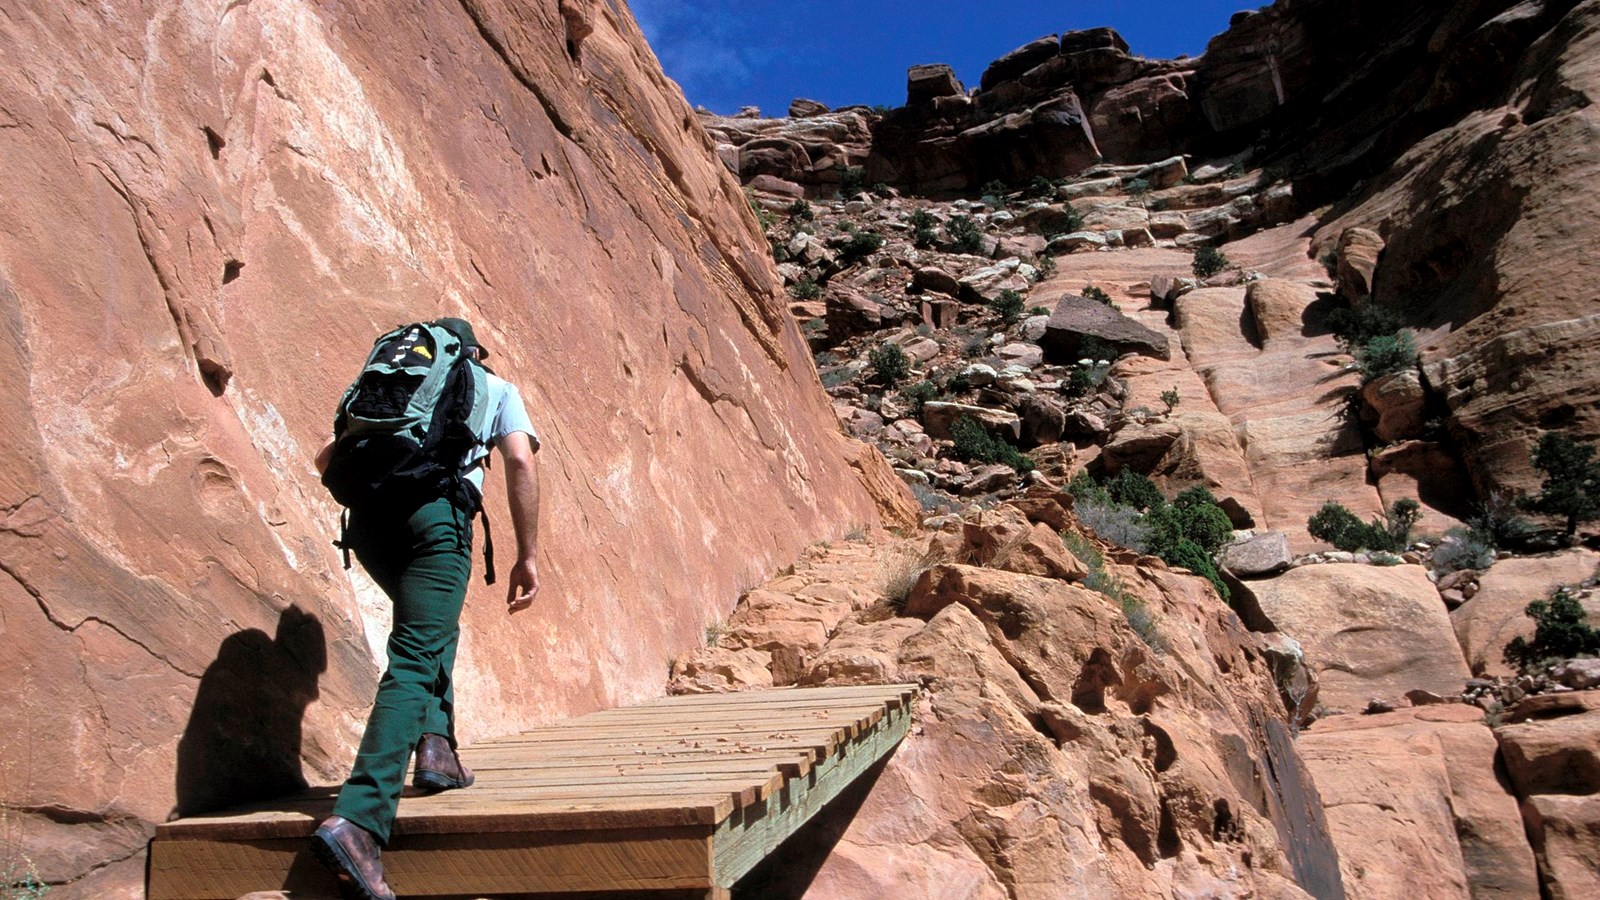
(506,415)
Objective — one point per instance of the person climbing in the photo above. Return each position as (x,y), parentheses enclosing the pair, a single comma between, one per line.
(411,440)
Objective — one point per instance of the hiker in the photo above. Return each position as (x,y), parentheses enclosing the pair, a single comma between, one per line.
(410,525)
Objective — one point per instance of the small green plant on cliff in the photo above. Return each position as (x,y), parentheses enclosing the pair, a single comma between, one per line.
(860,245)
(1039,186)
(889,363)
(1170,398)
(1129,510)
(852,179)
(801,211)
(919,394)
(1337,525)
(1008,304)
(1561,631)
(1046,265)
(964,234)
(1330,263)
(1098,295)
(1571,486)
(1386,354)
(973,443)
(806,289)
(1208,261)
(1138,616)
(762,215)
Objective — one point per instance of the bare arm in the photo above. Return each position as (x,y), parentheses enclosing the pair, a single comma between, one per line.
(323,456)
(522,489)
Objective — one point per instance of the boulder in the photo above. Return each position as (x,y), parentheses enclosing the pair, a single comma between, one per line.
(1495,614)
(1415,806)
(1019,61)
(801,108)
(1077,318)
(714,670)
(1164,174)
(861,653)
(1555,755)
(1075,241)
(928,82)
(933,278)
(1368,631)
(1358,249)
(1578,674)
(1278,308)
(1044,419)
(777,156)
(938,416)
(1021,354)
(851,313)
(1093,39)
(1257,556)
(989,479)
(1396,405)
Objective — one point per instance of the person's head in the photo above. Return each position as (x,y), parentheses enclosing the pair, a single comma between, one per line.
(462,329)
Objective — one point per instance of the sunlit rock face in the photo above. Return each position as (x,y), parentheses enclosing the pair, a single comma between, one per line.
(210,211)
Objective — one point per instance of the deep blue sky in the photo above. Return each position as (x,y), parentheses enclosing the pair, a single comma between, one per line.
(732,53)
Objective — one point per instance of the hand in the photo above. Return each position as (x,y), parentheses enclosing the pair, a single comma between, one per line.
(524,584)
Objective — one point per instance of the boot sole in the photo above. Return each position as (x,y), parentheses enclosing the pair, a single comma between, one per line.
(434,782)
(331,855)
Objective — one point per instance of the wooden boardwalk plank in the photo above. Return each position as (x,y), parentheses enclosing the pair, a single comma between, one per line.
(684,793)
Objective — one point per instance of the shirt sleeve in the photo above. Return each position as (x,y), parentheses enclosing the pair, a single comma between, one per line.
(512,417)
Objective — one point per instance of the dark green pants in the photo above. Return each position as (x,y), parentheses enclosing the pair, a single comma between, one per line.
(422,561)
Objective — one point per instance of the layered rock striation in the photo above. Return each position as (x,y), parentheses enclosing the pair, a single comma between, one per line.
(210,212)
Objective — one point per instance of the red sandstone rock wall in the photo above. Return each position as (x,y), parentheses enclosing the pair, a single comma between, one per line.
(209,211)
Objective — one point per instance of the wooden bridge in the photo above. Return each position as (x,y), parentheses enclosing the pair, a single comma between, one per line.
(681,795)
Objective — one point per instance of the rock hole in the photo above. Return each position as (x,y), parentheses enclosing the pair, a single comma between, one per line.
(215,375)
(1223,827)
(267,77)
(1089,691)
(1559,417)
(1165,753)
(214,141)
(575,50)
(1168,844)
(231,270)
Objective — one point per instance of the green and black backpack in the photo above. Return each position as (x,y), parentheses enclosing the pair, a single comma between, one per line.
(406,424)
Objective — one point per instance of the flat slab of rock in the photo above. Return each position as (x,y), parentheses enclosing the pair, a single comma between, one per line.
(1263,554)
(1077,318)
(1415,807)
(937,417)
(1368,631)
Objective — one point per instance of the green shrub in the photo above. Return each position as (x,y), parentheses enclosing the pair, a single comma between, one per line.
(1094,348)
(889,363)
(1170,398)
(1039,186)
(919,394)
(1495,521)
(1571,486)
(1208,261)
(921,218)
(852,179)
(1079,382)
(762,215)
(1462,548)
(1186,554)
(806,289)
(1097,294)
(1137,187)
(965,235)
(974,444)
(860,245)
(1084,489)
(1138,616)
(1130,488)
(1115,523)
(1039,311)
(1008,304)
(1339,526)
(801,211)
(1046,266)
(879,189)
(1386,354)
(880,110)
(1353,327)
(1330,263)
(1560,632)
(1189,531)
(994,192)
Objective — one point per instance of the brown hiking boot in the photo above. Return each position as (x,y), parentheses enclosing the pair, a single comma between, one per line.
(438,767)
(353,853)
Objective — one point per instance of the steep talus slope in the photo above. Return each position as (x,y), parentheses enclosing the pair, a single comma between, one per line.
(210,211)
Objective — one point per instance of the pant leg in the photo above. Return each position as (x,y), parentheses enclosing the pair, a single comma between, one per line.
(424,565)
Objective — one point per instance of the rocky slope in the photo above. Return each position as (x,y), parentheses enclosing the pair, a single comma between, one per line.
(210,212)
(1458,154)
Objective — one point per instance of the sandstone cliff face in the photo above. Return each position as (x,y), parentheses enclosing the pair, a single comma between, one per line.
(210,211)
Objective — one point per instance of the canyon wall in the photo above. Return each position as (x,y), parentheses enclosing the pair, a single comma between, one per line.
(210,211)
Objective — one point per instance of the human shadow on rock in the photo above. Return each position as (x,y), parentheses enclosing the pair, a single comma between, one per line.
(242,742)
